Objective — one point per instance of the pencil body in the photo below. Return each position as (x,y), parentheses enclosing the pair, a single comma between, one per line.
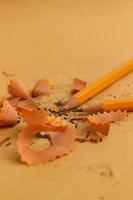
(122,104)
(111,105)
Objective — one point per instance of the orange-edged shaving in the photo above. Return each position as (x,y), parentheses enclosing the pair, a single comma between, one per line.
(34,116)
(41,87)
(101,122)
(77,85)
(8,115)
(62,143)
(62,138)
(27,104)
(13,100)
(16,88)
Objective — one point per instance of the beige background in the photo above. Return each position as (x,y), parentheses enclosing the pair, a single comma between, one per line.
(63,40)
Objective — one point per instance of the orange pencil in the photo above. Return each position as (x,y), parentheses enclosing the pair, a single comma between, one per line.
(98,86)
(111,105)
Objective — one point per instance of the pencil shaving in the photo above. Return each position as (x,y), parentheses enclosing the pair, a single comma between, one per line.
(77,85)
(8,115)
(41,87)
(34,116)
(16,88)
(101,122)
(14,100)
(62,142)
(27,104)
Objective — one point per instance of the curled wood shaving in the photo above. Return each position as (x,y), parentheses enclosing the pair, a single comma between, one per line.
(34,116)
(14,100)
(27,104)
(101,122)
(16,88)
(77,85)
(62,139)
(41,87)
(107,117)
(8,115)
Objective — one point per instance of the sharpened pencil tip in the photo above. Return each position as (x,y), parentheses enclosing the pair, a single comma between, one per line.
(71,103)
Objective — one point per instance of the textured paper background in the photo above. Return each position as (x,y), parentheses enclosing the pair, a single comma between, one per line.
(63,40)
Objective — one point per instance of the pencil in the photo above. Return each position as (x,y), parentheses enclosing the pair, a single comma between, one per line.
(98,86)
(111,105)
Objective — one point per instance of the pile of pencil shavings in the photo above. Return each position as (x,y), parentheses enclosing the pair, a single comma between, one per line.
(57,126)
